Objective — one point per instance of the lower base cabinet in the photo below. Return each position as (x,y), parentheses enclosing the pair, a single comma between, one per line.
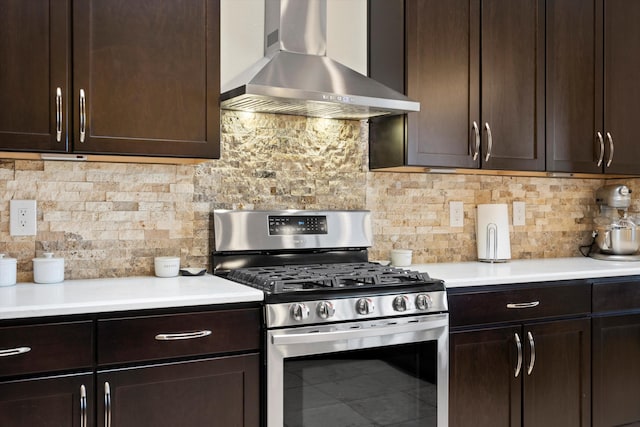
(520,356)
(48,402)
(616,371)
(159,368)
(218,392)
(531,375)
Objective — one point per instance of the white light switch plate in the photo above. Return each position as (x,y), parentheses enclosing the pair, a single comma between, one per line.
(519,215)
(456,214)
(22,217)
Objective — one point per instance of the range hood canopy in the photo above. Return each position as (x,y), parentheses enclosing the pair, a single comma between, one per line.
(297,77)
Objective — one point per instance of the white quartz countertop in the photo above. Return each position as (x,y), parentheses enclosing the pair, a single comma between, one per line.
(460,274)
(110,295)
(135,293)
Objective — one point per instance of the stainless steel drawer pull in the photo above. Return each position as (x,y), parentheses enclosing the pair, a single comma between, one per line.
(476,132)
(183,335)
(523,304)
(489,142)
(611,149)
(83,406)
(601,143)
(519,362)
(14,351)
(532,359)
(83,116)
(58,114)
(107,405)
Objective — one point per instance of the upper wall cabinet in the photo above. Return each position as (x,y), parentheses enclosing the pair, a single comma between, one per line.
(34,76)
(143,78)
(477,68)
(592,88)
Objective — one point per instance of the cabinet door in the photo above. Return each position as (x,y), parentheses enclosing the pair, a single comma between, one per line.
(34,53)
(149,71)
(622,86)
(484,390)
(575,142)
(222,391)
(616,371)
(557,373)
(48,402)
(512,64)
(443,74)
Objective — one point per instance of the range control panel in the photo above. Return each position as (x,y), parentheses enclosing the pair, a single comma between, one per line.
(297,224)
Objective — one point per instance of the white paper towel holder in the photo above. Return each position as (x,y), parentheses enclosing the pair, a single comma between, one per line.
(492,233)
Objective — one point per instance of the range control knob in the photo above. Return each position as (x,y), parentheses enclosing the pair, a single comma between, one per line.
(325,309)
(299,311)
(401,303)
(365,306)
(423,302)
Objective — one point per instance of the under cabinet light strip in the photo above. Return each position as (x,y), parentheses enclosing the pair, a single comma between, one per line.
(68,157)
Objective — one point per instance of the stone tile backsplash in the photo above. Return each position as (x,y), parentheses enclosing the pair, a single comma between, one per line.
(111,219)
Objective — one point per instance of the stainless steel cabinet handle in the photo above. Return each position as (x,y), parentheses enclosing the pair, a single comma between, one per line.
(14,351)
(489,141)
(83,116)
(532,359)
(519,362)
(610,140)
(601,142)
(107,404)
(58,114)
(476,132)
(183,335)
(83,406)
(523,304)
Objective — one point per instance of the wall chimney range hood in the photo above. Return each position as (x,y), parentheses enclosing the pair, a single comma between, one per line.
(297,77)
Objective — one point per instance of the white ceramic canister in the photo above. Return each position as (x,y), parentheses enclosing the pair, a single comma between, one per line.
(8,267)
(48,269)
(401,257)
(167,266)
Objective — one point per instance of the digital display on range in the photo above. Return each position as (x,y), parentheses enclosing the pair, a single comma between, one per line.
(297,224)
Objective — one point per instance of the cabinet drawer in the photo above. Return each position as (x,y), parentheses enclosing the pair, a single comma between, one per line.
(46,348)
(135,339)
(616,295)
(519,303)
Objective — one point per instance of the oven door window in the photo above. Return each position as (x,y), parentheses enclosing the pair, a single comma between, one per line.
(383,386)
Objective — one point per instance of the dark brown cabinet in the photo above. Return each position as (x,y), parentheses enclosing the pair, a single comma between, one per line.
(48,402)
(527,362)
(46,374)
(34,77)
(142,78)
(616,351)
(166,368)
(477,68)
(592,46)
(220,391)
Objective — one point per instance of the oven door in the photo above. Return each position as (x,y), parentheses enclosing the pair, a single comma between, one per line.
(384,372)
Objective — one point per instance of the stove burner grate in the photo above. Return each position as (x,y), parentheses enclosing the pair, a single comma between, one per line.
(307,277)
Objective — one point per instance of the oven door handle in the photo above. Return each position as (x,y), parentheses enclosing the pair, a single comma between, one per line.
(386,327)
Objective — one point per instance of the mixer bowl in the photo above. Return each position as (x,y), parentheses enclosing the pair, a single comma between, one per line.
(618,240)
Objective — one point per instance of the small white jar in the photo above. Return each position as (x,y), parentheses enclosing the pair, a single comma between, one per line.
(48,269)
(8,267)
(401,257)
(167,266)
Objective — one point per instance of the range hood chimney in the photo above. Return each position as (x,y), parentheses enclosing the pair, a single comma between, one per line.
(297,77)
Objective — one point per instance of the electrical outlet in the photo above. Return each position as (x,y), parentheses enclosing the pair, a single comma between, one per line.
(456,214)
(22,221)
(519,215)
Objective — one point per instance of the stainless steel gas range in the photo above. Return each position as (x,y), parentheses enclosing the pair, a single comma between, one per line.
(348,342)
